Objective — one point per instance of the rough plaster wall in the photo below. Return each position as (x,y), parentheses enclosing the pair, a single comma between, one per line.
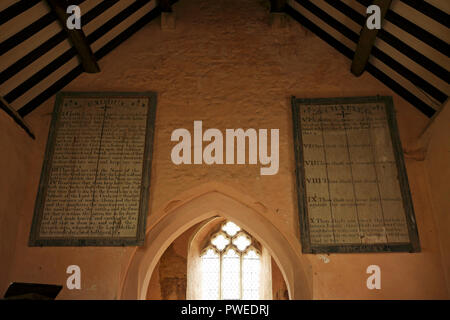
(173,268)
(169,279)
(265,275)
(154,287)
(224,65)
(14,165)
(198,241)
(279,289)
(172,275)
(438,168)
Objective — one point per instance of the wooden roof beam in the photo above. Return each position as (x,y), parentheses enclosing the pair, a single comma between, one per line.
(76,36)
(277,5)
(16,117)
(367,39)
(167,15)
(165,5)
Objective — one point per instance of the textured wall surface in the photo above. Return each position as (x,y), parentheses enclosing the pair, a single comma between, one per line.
(225,65)
(14,165)
(438,168)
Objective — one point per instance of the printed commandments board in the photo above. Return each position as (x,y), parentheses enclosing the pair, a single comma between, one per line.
(353,192)
(95,178)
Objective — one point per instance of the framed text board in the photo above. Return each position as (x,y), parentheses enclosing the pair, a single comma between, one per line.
(95,179)
(353,191)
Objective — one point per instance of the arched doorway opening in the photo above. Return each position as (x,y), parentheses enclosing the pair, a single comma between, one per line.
(180,273)
(206,202)
(225,261)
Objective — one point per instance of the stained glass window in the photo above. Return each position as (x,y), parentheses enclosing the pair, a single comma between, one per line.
(230,265)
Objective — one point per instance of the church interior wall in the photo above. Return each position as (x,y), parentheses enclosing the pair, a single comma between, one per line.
(437,162)
(230,71)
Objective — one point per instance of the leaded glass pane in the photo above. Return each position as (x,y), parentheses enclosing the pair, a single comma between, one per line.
(230,269)
(241,242)
(220,241)
(210,275)
(251,266)
(231,275)
(231,228)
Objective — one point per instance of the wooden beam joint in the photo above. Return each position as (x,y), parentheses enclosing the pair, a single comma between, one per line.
(367,39)
(165,5)
(76,36)
(16,117)
(277,5)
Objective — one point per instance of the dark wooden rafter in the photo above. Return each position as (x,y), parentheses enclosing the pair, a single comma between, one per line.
(277,5)
(367,39)
(165,5)
(76,36)
(16,117)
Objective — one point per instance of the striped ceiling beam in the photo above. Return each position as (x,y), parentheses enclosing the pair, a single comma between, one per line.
(38,59)
(16,117)
(410,53)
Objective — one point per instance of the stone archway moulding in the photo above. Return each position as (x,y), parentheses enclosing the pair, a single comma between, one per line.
(198,205)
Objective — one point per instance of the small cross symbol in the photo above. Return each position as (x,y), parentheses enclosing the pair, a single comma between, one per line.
(343,114)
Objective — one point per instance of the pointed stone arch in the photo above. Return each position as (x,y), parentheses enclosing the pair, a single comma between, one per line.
(203,203)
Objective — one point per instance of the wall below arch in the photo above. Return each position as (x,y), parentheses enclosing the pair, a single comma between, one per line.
(169,277)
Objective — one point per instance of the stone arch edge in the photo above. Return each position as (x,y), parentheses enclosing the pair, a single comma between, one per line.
(199,204)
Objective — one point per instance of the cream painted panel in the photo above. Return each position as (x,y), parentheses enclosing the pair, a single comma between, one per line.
(44,84)
(413,66)
(377,63)
(23,20)
(319,22)
(37,39)
(419,93)
(6,3)
(63,70)
(35,66)
(105,16)
(421,20)
(123,25)
(440,4)
(356,6)
(388,49)
(420,46)
(28,45)
(336,14)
